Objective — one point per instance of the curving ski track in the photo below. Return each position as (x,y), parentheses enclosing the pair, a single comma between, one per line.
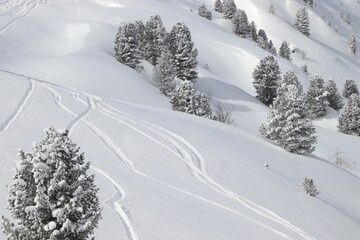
(186,152)
(20,108)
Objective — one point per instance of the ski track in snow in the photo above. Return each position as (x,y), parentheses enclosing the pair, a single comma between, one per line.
(20,108)
(18,7)
(187,153)
(116,205)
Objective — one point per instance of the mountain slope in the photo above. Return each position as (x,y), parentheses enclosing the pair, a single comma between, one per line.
(164,174)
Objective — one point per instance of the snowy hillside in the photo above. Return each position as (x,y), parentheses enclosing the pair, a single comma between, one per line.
(169,175)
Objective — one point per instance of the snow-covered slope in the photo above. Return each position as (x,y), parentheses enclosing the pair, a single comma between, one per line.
(165,174)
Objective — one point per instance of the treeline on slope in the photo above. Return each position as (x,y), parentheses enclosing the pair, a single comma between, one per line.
(174,60)
(245,29)
(291,110)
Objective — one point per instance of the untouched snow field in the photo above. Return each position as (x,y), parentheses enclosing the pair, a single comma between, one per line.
(164,174)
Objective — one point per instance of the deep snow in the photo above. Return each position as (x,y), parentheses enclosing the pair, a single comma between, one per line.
(164,174)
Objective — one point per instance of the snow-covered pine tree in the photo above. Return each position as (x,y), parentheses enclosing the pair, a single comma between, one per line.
(287,123)
(164,74)
(184,54)
(284,51)
(186,99)
(203,11)
(52,196)
(305,70)
(302,22)
(309,187)
(333,95)
(350,88)
(349,119)
(155,33)
(262,39)
(352,43)
(241,24)
(229,9)
(218,6)
(253,31)
(316,97)
(141,37)
(271,48)
(266,79)
(127,45)
(290,78)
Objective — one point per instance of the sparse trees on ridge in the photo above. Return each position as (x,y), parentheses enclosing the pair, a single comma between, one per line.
(52,196)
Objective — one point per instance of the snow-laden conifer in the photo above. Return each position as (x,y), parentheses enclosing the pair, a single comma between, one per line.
(229,9)
(127,45)
(287,123)
(333,95)
(271,48)
(302,22)
(52,196)
(262,39)
(266,79)
(349,119)
(352,43)
(253,31)
(183,51)
(284,51)
(203,11)
(164,74)
(316,97)
(155,33)
(186,99)
(241,24)
(309,187)
(350,88)
(218,6)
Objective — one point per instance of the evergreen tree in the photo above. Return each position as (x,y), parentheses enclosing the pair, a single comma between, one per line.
(186,99)
(253,31)
(184,54)
(229,9)
(266,78)
(287,123)
(333,96)
(352,43)
(309,187)
(218,6)
(141,37)
(164,74)
(127,45)
(262,39)
(52,197)
(302,22)
(350,88)
(271,48)
(316,97)
(155,36)
(305,69)
(349,119)
(241,24)
(290,78)
(284,51)
(204,12)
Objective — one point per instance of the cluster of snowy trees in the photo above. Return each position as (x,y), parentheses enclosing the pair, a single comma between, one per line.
(291,110)
(241,25)
(52,196)
(203,11)
(136,41)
